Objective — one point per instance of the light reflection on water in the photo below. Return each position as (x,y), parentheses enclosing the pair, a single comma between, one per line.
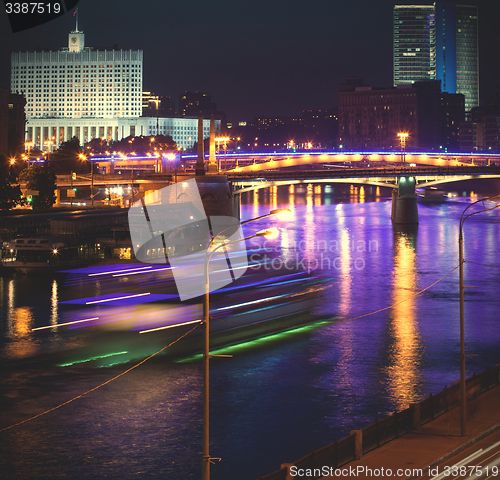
(19,322)
(269,404)
(404,356)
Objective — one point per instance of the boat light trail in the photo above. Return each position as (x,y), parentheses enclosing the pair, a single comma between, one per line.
(66,323)
(250,303)
(118,298)
(288,332)
(119,271)
(170,326)
(91,359)
(138,273)
(121,298)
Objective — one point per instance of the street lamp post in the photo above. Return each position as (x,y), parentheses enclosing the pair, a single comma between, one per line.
(49,143)
(206,333)
(462,307)
(91,183)
(402,137)
(83,157)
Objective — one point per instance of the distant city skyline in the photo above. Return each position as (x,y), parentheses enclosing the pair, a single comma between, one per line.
(254,60)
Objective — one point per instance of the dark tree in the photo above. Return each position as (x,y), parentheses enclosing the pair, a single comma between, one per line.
(96,145)
(141,145)
(66,158)
(41,179)
(10,191)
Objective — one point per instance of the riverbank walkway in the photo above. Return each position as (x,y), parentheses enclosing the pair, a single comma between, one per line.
(434,443)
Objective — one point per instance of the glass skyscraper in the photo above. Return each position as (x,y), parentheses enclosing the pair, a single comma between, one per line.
(438,42)
(414,56)
(467,55)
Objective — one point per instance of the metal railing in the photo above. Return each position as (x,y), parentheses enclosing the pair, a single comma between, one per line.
(355,172)
(383,431)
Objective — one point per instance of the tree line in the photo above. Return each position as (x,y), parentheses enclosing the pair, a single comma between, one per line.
(40,176)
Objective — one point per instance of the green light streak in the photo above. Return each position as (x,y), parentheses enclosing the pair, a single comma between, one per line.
(256,342)
(98,357)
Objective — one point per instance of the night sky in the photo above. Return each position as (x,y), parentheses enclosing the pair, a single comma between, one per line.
(259,58)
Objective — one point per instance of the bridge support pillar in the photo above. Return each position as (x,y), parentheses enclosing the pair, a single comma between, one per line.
(404,202)
(236,206)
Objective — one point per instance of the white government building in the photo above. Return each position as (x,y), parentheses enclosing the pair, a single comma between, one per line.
(78,91)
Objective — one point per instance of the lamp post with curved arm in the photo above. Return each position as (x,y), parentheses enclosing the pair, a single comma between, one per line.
(206,331)
(462,306)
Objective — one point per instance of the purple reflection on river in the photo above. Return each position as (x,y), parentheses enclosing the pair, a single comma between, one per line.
(275,400)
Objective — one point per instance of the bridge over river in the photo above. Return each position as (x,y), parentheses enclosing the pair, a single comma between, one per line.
(403,180)
(381,177)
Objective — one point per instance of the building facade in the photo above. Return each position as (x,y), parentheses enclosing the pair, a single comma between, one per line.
(78,82)
(438,42)
(4,121)
(184,131)
(467,54)
(371,118)
(78,91)
(17,123)
(414,31)
(192,104)
(481,132)
(453,111)
(12,123)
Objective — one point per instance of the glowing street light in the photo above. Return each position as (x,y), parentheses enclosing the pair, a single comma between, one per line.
(206,332)
(81,156)
(219,140)
(48,143)
(402,137)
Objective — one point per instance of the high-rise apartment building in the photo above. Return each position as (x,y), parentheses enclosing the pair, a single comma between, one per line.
(438,42)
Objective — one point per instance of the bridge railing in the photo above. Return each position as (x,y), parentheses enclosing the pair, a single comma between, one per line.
(110,178)
(364,172)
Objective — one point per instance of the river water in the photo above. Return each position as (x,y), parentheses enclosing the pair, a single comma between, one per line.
(274,400)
